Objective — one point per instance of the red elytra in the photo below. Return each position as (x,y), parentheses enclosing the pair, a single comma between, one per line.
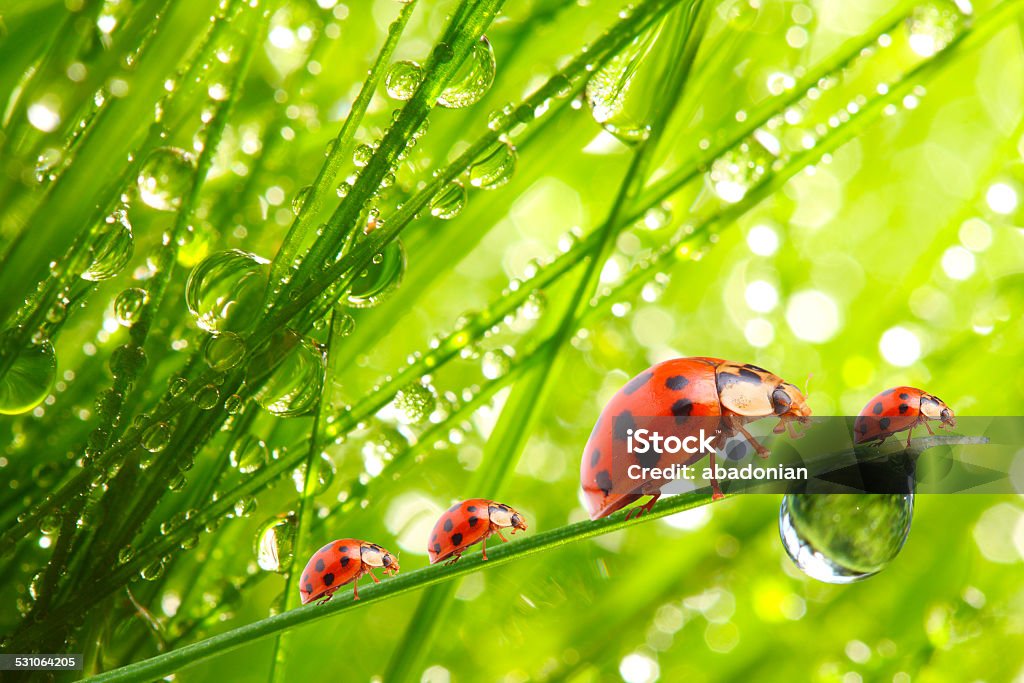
(737,393)
(898,409)
(342,562)
(467,523)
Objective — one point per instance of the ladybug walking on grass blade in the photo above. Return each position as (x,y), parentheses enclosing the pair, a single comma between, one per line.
(898,409)
(468,523)
(342,562)
(731,393)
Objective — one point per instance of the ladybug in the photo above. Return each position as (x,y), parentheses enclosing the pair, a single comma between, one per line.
(736,393)
(468,523)
(341,562)
(898,409)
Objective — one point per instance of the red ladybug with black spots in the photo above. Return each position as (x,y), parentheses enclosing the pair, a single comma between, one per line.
(735,393)
(341,562)
(468,523)
(898,409)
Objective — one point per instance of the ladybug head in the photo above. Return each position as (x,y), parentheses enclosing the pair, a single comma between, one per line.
(935,408)
(505,517)
(375,556)
(790,401)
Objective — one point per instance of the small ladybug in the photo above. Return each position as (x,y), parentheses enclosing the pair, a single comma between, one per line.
(683,387)
(341,562)
(898,409)
(468,523)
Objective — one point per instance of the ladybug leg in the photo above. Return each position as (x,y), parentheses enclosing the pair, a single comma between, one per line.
(910,434)
(641,510)
(761,450)
(503,539)
(455,558)
(374,577)
(355,589)
(929,428)
(716,491)
(326,598)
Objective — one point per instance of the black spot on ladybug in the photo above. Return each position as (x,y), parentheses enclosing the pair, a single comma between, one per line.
(342,548)
(456,539)
(904,408)
(595,458)
(471,508)
(473,521)
(751,366)
(887,392)
(328,579)
(682,408)
(309,588)
(345,561)
(637,382)
(677,382)
(433,539)
(877,408)
(648,459)
(604,481)
(319,566)
(749,375)
(905,396)
(448,524)
(437,547)
(884,423)
(862,426)
(455,507)
(623,423)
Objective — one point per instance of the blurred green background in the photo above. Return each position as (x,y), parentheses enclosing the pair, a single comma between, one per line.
(895,259)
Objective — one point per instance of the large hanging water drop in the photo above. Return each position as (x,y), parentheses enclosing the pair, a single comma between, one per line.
(842,538)
(472,79)
(494,167)
(380,279)
(224,293)
(448,202)
(165,178)
(275,543)
(402,79)
(287,375)
(112,249)
(30,375)
(249,454)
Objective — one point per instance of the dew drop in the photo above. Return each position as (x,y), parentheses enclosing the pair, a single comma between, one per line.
(224,351)
(842,538)
(224,292)
(249,454)
(414,403)
(494,167)
(156,437)
(402,79)
(165,178)
(112,248)
(495,363)
(324,475)
(152,571)
(299,200)
(931,27)
(129,304)
(275,543)
(362,155)
(30,376)
(380,279)
(472,79)
(287,375)
(737,171)
(448,202)
(207,397)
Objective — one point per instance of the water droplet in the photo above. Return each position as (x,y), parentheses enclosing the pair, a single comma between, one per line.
(249,454)
(127,360)
(494,167)
(933,26)
(287,375)
(299,200)
(233,404)
(165,178)
(380,279)
(207,397)
(224,351)
(177,386)
(472,79)
(841,538)
(402,79)
(414,403)
(495,363)
(112,248)
(362,155)
(448,202)
(275,543)
(734,173)
(30,376)
(128,305)
(244,506)
(324,475)
(225,291)
(152,571)
(156,437)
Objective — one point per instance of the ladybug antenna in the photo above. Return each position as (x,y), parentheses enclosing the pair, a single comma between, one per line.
(807,384)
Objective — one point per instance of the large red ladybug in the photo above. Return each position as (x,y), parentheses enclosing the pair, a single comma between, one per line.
(736,393)
(469,522)
(341,562)
(898,409)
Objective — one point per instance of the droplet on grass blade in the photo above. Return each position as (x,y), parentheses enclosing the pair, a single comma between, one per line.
(224,351)
(224,292)
(414,403)
(249,454)
(402,79)
(448,202)
(379,279)
(128,305)
(287,375)
(472,79)
(842,538)
(30,377)
(165,178)
(275,543)
(494,167)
